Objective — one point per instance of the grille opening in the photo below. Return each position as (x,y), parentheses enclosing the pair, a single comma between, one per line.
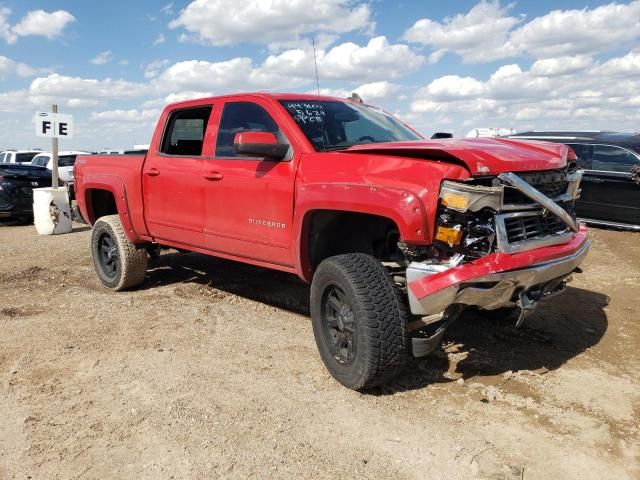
(520,229)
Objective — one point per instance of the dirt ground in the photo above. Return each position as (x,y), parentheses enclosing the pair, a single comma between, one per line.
(210,371)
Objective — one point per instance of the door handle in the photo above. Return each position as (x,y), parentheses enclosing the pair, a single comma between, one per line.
(153,172)
(214,176)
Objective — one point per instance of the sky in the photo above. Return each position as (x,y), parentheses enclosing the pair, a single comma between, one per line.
(440,66)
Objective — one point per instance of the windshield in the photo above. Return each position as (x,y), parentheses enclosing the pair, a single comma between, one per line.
(334,125)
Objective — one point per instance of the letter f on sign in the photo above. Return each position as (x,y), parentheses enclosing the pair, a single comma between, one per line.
(46,125)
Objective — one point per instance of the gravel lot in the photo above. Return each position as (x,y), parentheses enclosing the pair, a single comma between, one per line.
(210,370)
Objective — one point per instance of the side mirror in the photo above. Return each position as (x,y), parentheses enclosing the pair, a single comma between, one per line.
(259,144)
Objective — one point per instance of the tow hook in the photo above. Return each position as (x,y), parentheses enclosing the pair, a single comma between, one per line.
(527,306)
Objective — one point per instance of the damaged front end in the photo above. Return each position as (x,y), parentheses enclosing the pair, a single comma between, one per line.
(505,241)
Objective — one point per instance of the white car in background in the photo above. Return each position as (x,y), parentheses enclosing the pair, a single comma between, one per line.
(490,132)
(110,152)
(66,161)
(18,156)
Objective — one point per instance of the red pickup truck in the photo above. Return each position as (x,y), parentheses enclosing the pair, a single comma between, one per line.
(396,234)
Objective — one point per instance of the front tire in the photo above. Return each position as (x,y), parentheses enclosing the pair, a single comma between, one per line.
(359,320)
(120,265)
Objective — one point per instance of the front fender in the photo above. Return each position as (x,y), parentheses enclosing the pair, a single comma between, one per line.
(401,206)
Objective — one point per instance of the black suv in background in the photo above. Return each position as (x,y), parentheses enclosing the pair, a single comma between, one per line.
(17,181)
(610,185)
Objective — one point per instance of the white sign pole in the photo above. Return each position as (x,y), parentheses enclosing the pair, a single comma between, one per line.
(54,155)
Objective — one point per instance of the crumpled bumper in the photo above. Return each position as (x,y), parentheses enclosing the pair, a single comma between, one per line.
(493,281)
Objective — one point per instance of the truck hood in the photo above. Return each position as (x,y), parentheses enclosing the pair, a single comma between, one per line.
(481,156)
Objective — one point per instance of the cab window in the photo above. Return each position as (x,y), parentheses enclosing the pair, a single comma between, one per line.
(243,117)
(184,135)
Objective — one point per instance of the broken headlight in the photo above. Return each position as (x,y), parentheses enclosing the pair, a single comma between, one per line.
(462,197)
(465,223)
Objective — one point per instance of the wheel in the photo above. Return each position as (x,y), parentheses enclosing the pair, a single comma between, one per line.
(359,320)
(119,263)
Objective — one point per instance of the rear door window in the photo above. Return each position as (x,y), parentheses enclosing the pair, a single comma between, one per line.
(2,155)
(184,135)
(610,158)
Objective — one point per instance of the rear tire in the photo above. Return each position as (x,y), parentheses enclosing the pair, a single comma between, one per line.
(120,265)
(359,320)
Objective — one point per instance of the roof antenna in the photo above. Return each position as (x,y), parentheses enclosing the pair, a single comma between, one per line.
(315,62)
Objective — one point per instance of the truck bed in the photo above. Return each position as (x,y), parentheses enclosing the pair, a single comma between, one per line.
(119,174)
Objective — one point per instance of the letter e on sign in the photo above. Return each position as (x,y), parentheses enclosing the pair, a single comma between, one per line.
(53,125)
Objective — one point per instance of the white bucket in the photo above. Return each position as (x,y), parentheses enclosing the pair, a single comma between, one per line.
(51,211)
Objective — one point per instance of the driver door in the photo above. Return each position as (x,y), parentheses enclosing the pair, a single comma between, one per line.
(249,200)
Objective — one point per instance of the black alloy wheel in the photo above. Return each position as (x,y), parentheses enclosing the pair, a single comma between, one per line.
(339,326)
(109,259)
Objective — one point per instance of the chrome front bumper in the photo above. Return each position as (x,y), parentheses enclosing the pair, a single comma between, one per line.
(489,291)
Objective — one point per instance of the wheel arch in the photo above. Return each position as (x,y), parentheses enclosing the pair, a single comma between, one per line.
(328,232)
(107,196)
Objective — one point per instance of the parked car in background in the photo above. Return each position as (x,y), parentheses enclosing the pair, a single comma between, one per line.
(490,132)
(610,190)
(66,162)
(18,156)
(17,181)
(110,152)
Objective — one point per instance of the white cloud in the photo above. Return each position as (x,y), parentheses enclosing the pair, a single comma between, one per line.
(566,32)
(132,115)
(477,36)
(371,63)
(377,60)
(11,67)
(167,9)
(62,86)
(488,32)
(453,87)
(369,92)
(159,39)
(376,90)
(13,101)
(39,22)
(199,75)
(550,67)
(627,66)
(102,58)
(153,69)
(17,100)
(6,32)
(223,22)
(563,92)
